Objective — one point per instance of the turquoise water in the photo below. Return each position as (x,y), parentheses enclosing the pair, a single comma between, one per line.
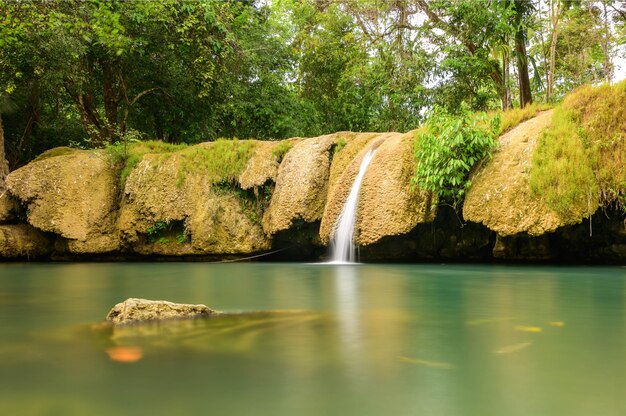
(341,340)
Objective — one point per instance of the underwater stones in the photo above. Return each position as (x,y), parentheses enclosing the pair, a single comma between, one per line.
(500,196)
(73,195)
(135,310)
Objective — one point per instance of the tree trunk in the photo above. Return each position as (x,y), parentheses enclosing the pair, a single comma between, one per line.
(506,102)
(525,95)
(608,65)
(4,165)
(554,18)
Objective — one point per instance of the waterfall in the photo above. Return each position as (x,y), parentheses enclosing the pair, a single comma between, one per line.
(342,245)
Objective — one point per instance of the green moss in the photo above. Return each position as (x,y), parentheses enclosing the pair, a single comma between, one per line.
(221,161)
(57,151)
(280,150)
(127,155)
(581,160)
(562,173)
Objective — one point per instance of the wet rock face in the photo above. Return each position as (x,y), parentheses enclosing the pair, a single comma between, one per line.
(134,310)
(387,205)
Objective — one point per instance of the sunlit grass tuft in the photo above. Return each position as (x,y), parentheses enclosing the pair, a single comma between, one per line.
(580,161)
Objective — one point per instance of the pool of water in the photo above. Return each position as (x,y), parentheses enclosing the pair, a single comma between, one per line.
(335,340)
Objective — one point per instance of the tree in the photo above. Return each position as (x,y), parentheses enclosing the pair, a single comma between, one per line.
(484,32)
(4,166)
(523,10)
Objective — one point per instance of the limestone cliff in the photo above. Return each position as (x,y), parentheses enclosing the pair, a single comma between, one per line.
(236,198)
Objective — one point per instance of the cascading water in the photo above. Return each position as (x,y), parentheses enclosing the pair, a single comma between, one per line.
(343,249)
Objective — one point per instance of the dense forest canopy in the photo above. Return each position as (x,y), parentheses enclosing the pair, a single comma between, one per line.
(91,73)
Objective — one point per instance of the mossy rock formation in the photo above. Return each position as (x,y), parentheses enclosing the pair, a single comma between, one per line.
(301,184)
(197,215)
(501,197)
(387,205)
(23,241)
(74,195)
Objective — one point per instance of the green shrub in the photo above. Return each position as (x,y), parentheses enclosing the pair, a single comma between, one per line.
(448,147)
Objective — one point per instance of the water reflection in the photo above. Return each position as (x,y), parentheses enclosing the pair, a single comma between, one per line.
(350,340)
(349,318)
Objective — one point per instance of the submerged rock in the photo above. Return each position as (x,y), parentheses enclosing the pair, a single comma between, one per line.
(135,310)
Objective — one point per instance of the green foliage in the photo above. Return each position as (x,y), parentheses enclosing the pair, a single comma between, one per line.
(155,231)
(162,231)
(447,149)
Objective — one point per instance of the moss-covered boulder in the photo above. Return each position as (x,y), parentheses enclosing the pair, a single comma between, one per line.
(264,162)
(8,207)
(387,205)
(189,202)
(72,194)
(21,241)
(501,197)
(301,184)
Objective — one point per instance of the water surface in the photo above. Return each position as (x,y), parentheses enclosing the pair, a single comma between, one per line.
(344,340)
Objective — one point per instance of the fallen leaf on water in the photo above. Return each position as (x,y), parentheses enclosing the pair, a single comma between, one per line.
(427,363)
(513,348)
(125,354)
(557,324)
(528,328)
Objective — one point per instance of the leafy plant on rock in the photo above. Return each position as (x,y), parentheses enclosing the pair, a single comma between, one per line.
(448,147)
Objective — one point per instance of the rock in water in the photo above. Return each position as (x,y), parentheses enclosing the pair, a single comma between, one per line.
(135,310)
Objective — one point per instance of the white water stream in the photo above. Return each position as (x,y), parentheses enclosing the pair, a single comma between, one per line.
(343,249)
